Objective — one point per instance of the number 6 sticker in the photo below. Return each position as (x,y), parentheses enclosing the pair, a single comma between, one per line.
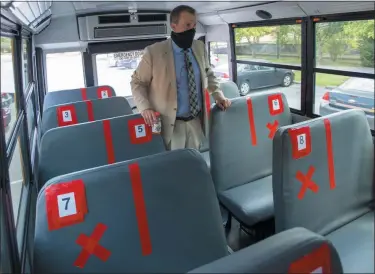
(301,142)
(139,132)
(65,204)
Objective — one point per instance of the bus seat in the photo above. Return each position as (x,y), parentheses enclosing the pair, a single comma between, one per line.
(81,112)
(75,95)
(152,215)
(87,145)
(229,89)
(241,154)
(322,180)
(284,252)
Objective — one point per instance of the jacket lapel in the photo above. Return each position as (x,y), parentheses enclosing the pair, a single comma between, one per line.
(171,73)
(198,56)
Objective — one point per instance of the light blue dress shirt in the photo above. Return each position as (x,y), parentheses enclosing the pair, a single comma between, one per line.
(183,104)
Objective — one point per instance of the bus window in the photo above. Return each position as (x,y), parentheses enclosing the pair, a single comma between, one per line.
(273,44)
(346,46)
(275,47)
(115,69)
(64,71)
(8,106)
(16,178)
(218,52)
(25,58)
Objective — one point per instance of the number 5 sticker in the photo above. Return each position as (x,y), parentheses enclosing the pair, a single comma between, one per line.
(139,132)
(301,142)
(65,204)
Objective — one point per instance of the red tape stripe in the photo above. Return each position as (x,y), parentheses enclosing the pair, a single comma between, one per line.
(250,113)
(140,208)
(108,141)
(331,163)
(208,103)
(90,111)
(84,94)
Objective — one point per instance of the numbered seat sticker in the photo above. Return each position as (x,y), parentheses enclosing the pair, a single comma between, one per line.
(301,142)
(66,115)
(275,104)
(104,92)
(317,261)
(65,204)
(139,132)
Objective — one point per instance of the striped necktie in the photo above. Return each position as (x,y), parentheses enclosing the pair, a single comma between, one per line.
(193,94)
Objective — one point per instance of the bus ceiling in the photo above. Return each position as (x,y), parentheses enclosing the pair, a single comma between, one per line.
(81,23)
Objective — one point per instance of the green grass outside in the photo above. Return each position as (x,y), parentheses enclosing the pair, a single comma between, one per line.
(324,80)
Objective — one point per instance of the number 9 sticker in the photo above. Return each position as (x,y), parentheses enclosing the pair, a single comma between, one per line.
(65,204)
(301,142)
(275,104)
(139,132)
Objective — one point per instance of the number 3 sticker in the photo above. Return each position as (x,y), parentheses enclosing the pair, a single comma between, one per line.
(65,204)
(66,115)
(301,142)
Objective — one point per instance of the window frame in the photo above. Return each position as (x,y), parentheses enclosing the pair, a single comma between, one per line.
(357,16)
(302,68)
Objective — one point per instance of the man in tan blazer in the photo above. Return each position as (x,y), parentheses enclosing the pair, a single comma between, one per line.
(174,78)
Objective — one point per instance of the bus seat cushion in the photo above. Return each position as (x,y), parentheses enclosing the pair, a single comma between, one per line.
(335,199)
(177,210)
(354,243)
(277,254)
(252,202)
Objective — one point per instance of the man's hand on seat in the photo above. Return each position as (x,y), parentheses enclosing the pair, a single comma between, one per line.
(150,116)
(223,103)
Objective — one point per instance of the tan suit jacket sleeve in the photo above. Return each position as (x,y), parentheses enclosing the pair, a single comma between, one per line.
(213,83)
(141,81)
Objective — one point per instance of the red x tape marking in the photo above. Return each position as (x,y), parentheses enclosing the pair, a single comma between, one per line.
(301,142)
(90,111)
(65,204)
(207,100)
(307,182)
(104,92)
(273,128)
(331,163)
(108,141)
(139,132)
(84,94)
(90,245)
(140,208)
(66,115)
(250,114)
(318,261)
(275,104)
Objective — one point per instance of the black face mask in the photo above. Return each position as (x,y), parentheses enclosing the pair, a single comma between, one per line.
(183,39)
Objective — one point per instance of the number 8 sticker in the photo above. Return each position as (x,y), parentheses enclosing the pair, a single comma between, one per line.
(301,142)
(65,204)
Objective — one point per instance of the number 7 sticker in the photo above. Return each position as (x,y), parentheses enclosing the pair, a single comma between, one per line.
(65,204)
(301,142)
